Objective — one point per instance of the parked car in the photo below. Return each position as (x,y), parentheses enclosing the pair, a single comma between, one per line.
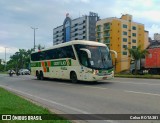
(24,72)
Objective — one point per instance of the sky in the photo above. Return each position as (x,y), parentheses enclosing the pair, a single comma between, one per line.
(18,16)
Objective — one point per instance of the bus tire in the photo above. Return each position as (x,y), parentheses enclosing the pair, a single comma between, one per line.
(37,75)
(41,77)
(73,77)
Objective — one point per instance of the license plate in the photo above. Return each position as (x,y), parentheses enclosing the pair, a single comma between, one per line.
(105,78)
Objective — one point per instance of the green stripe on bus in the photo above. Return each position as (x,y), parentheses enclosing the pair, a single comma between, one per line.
(36,64)
(45,63)
(53,63)
(47,69)
(61,63)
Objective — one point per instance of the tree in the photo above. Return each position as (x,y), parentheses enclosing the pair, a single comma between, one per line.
(137,54)
(20,59)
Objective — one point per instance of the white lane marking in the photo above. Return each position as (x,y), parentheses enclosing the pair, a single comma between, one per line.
(152,94)
(136,83)
(50,101)
(56,103)
(96,87)
(64,83)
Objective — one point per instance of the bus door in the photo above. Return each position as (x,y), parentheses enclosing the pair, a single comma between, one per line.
(84,60)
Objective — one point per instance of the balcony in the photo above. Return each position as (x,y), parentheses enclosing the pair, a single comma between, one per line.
(98,30)
(106,35)
(106,28)
(107,41)
(98,37)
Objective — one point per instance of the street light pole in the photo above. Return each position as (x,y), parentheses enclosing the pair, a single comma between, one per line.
(34,36)
(5,58)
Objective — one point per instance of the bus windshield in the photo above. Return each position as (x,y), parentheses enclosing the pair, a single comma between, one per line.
(100,56)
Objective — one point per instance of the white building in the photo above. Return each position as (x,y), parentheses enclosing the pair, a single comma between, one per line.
(157,36)
(82,28)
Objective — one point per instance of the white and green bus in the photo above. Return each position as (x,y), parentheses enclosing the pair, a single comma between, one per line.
(74,60)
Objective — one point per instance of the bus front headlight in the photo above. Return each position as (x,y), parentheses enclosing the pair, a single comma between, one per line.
(95,72)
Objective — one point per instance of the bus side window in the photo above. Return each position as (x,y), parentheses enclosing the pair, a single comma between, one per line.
(60,53)
(69,52)
(40,56)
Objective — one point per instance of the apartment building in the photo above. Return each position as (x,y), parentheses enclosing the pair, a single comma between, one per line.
(82,28)
(120,34)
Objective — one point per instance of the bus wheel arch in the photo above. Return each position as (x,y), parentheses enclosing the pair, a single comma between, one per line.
(73,77)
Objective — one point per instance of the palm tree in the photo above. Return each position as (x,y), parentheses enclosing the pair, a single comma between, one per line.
(137,54)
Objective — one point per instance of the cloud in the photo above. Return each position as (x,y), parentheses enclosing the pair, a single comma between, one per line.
(153,29)
(81,1)
(9,51)
(17,16)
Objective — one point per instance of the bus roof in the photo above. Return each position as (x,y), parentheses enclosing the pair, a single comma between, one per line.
(92,43)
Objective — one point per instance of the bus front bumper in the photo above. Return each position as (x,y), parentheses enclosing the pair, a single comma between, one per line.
(105,77)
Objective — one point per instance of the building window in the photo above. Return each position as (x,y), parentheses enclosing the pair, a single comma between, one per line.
(124,26)
(133,47)
(134,34)
(76,29)
(124,33)
(124,52)
(124,39)
(76,24)
(125,46)
(133,41)
(133,27)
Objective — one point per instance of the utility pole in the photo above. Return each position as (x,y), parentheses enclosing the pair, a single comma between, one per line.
(5,59)
(34,36)
(53,36)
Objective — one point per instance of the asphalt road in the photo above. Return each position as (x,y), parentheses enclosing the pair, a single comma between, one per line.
(117,96)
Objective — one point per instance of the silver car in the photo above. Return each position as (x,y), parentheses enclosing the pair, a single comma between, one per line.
(24,72)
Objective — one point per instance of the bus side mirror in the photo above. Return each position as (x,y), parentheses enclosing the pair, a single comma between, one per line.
(132,61)
(115,53)
(87,51)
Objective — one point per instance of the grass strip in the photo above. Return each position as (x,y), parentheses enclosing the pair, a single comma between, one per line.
(13,104)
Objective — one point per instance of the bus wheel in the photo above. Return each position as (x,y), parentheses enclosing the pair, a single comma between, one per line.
(41,76)
(37,75)
(73,77)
